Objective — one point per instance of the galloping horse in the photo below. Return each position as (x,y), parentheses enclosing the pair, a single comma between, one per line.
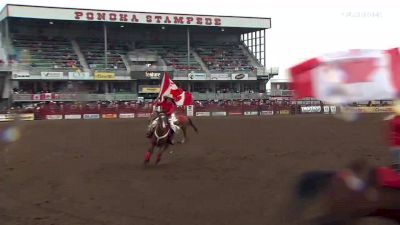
(182,122)
(159,138)
(348,195)
(162,131)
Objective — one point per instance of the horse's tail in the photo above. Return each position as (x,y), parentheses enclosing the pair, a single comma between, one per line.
(312,183)
(192,124)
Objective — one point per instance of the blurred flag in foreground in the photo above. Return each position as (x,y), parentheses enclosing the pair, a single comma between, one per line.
(349,76)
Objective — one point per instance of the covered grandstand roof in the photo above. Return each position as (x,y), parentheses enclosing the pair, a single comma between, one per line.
(75,14)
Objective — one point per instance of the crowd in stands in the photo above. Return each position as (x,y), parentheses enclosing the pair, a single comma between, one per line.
(223,57)
(57,52)
(93,50)
(44,52)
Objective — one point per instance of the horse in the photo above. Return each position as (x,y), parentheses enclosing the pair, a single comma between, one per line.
(159,139)
(348,195)
(182,122)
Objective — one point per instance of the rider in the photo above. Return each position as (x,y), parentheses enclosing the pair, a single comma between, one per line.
(168,107)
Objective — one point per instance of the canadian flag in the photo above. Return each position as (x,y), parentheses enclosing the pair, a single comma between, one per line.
(349,76)
(36,97)
(169,88)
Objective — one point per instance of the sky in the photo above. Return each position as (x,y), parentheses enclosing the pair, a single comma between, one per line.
(301,29)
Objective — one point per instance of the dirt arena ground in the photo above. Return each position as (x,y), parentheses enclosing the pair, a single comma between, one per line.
(237,171)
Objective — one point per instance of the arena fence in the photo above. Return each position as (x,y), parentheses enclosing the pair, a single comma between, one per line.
(89,112)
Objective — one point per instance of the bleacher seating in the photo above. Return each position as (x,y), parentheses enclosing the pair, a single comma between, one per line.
(174,54)
(93,51)
(223,57)
(44,52)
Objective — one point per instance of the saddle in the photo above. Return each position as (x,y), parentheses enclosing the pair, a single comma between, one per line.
(388,177)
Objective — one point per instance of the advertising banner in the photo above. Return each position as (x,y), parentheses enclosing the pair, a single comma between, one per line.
(333,109)
(220,76)
(203,113)
(234,113)
(54,117)
(21,75)
(267,113)
(218,113)
(251,113)
(239,76)
(91,116)
(143,115)
(109,116)
(11,117)
(197,76)
(79,76)
(311,109)
(284,112)
(190,110)
(104,76)
(73,117)
(382,109)
(326,109)
(149,89)
(127,115)
(52,75)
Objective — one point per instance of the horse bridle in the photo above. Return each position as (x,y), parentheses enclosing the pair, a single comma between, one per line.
(155,130)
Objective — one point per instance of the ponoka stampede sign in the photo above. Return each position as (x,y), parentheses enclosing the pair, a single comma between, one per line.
(147,18)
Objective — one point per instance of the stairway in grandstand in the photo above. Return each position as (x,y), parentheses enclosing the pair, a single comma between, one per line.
(173,53)
(93,50)
(44,52)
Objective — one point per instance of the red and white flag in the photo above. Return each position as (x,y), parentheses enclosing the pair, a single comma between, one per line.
(169,88)
(349,76)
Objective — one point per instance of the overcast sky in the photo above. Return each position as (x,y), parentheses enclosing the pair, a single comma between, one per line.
(300,28)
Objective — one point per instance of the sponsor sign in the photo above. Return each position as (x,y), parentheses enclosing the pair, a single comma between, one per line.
(126,115)
(149,88)
(284,112)
(267,113)
(143,115)
(134,17)
(239,76)
(11,117)
(326,109)
(190,110)
(79,75)
(333,109)
(54,117)
(21,75)
(52,75)
(109,116)
(311,109)
(203,113)
(218,113)
(104,76)
(73,117)
(383,109)
(250,113)
(91,116)
(152,75)
(220,76)
(197,76)
(234,113)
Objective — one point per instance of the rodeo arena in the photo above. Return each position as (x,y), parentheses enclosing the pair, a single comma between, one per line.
(117,117)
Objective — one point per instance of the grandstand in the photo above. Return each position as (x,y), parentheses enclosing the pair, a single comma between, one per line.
(66,54)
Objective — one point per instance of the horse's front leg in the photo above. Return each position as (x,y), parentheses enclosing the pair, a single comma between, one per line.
(159,155)
(184,134)
(149,153)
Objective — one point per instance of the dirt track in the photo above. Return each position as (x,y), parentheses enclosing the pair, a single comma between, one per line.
(237,171)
